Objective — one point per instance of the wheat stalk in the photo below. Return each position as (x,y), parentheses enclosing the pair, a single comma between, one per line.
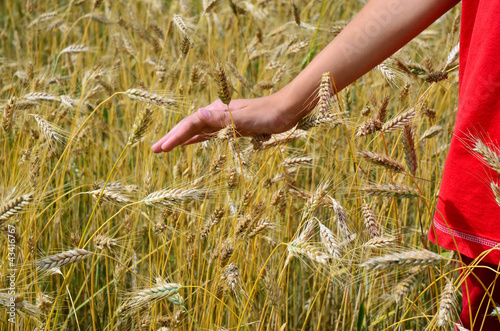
(171,197)
(329,241)
(495,188)
(342,219)
(141,124)
(34,172)
(369,127)
(278,76)
(14,207)
(383,160)
(281,138)
(223,91)
(98,18)
(446,305)
(259,227)
(299,248)
(211,222)
(370,221)
(379,242)
(50,131)
(312,121)
(491,158)
(432,132)
(43,18)
(387,72)
(435,77)
(317,198)
(234,71)
(142,298)
(36,96)
(409,149)
(103,242)
(148,97)
(391,190)
(179,22)
(402,289)
(8,114)
(324,94)
(218,164)
(410,258)
(399,121)
(452,58)
(296,161)
(62,259)
(297,47)
(296,14)
(109,196)
(74,49)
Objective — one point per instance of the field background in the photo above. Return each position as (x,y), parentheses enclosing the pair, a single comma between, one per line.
(252,251)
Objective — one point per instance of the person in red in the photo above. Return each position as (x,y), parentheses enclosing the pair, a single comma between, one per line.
(467,216)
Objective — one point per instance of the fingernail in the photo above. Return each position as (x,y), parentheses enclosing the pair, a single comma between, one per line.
(205,113)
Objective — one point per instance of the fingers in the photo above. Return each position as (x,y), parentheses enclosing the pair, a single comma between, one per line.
(205,120)
(183,131)
(157,146)
(198,139)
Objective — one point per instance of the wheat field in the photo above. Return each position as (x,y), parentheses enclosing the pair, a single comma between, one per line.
(322,227)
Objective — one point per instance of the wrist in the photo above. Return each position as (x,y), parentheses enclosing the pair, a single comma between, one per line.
(292,104)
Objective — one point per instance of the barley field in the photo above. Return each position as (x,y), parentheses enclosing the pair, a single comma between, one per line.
(322,227)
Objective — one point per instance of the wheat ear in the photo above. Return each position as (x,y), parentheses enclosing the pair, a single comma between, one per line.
(446,305)
(174,196)
(391,190)
(410,258)
(61,259)
(8,114)
(300,248)
(370,221)
(224,90)
(14,206)
(409,149)
(399,121)
(142,123)
(148,97)
(383,160)
(490,156)
(329,241)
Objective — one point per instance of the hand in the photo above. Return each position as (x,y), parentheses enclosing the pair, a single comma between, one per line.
(251,117)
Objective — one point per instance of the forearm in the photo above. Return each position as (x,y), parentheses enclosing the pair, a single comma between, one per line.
(380,29)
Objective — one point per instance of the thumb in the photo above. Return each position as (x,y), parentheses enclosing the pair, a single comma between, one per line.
(214,118)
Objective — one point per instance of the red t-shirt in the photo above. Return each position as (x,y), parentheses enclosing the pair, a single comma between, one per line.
(467,217)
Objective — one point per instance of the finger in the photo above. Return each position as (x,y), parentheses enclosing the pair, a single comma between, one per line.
(157,146)
(197,139)
(190,126)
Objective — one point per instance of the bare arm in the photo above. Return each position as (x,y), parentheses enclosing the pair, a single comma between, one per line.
(380,29)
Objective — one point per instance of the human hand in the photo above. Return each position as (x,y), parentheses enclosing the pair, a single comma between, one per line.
(269,115)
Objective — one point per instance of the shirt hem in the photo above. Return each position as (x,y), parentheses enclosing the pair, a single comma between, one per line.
(467,244)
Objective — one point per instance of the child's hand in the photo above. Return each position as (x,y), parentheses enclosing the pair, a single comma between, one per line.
(269,114)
